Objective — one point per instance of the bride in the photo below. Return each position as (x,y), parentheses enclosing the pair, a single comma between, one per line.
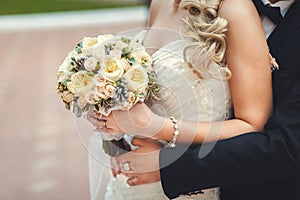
(220,61)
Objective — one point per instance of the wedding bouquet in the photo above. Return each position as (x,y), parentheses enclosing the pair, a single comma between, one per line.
(106,73)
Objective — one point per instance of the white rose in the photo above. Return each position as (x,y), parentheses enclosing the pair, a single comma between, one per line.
(99,52)
(120,45)
(116,53)
(137,79)
(102,38)
(112,69)
(80,83)
(90,63)
(136,45)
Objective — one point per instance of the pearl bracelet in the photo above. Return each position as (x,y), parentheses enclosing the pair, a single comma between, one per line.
(176,132)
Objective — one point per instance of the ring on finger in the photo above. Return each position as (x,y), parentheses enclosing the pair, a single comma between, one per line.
(104,125)
(126,166)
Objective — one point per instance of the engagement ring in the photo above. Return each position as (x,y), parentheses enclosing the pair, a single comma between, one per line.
(126,166)
(104,125)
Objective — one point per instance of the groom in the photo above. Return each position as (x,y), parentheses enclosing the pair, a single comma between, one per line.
(255,166)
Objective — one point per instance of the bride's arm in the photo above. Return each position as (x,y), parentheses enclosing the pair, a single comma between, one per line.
(248,59)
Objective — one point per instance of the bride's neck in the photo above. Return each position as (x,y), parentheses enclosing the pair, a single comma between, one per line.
(176,4)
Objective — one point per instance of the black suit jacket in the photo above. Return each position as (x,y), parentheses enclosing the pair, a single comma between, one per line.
(260,165)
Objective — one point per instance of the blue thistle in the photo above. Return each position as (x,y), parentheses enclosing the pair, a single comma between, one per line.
(121,92)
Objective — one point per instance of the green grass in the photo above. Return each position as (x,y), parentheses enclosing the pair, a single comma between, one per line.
(39,6)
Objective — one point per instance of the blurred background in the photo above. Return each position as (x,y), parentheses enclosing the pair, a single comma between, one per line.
(41,153)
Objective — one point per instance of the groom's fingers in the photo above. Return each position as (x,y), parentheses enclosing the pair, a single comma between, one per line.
(134,181)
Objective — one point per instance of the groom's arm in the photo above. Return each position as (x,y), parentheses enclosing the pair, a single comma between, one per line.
(250,158)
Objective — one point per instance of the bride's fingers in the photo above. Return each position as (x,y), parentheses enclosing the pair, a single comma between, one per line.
(94,121)
(115,167)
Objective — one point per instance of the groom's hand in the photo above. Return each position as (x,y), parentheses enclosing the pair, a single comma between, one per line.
(141,166)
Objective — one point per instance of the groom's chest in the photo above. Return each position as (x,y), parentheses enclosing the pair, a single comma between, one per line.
(284,45)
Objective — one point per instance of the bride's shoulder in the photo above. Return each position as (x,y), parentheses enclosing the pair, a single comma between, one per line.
(234,10)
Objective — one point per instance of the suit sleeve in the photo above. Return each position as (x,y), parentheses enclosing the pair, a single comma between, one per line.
(246,159)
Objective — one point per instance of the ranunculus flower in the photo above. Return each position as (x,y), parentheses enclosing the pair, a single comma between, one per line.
(112,69)
(80,83)
(90,63)
(109,90)
(91,97)
(105,91)
(99,80)
(137,79)
(131,97)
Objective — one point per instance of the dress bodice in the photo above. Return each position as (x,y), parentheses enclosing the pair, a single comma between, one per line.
(183,94)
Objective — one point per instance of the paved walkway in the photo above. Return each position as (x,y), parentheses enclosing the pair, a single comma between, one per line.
(41,154)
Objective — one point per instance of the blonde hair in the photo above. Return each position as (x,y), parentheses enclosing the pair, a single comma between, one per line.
(208,33)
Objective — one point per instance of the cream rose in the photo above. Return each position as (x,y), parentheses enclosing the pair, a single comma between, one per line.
(112,69)
(67,96)
(137,79)
(141,57)
(90,63)
(80,83)
(91,44)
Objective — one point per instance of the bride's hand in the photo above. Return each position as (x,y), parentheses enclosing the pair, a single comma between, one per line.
(139,120)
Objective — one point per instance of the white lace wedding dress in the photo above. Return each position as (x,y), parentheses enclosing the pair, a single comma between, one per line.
(183,95)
